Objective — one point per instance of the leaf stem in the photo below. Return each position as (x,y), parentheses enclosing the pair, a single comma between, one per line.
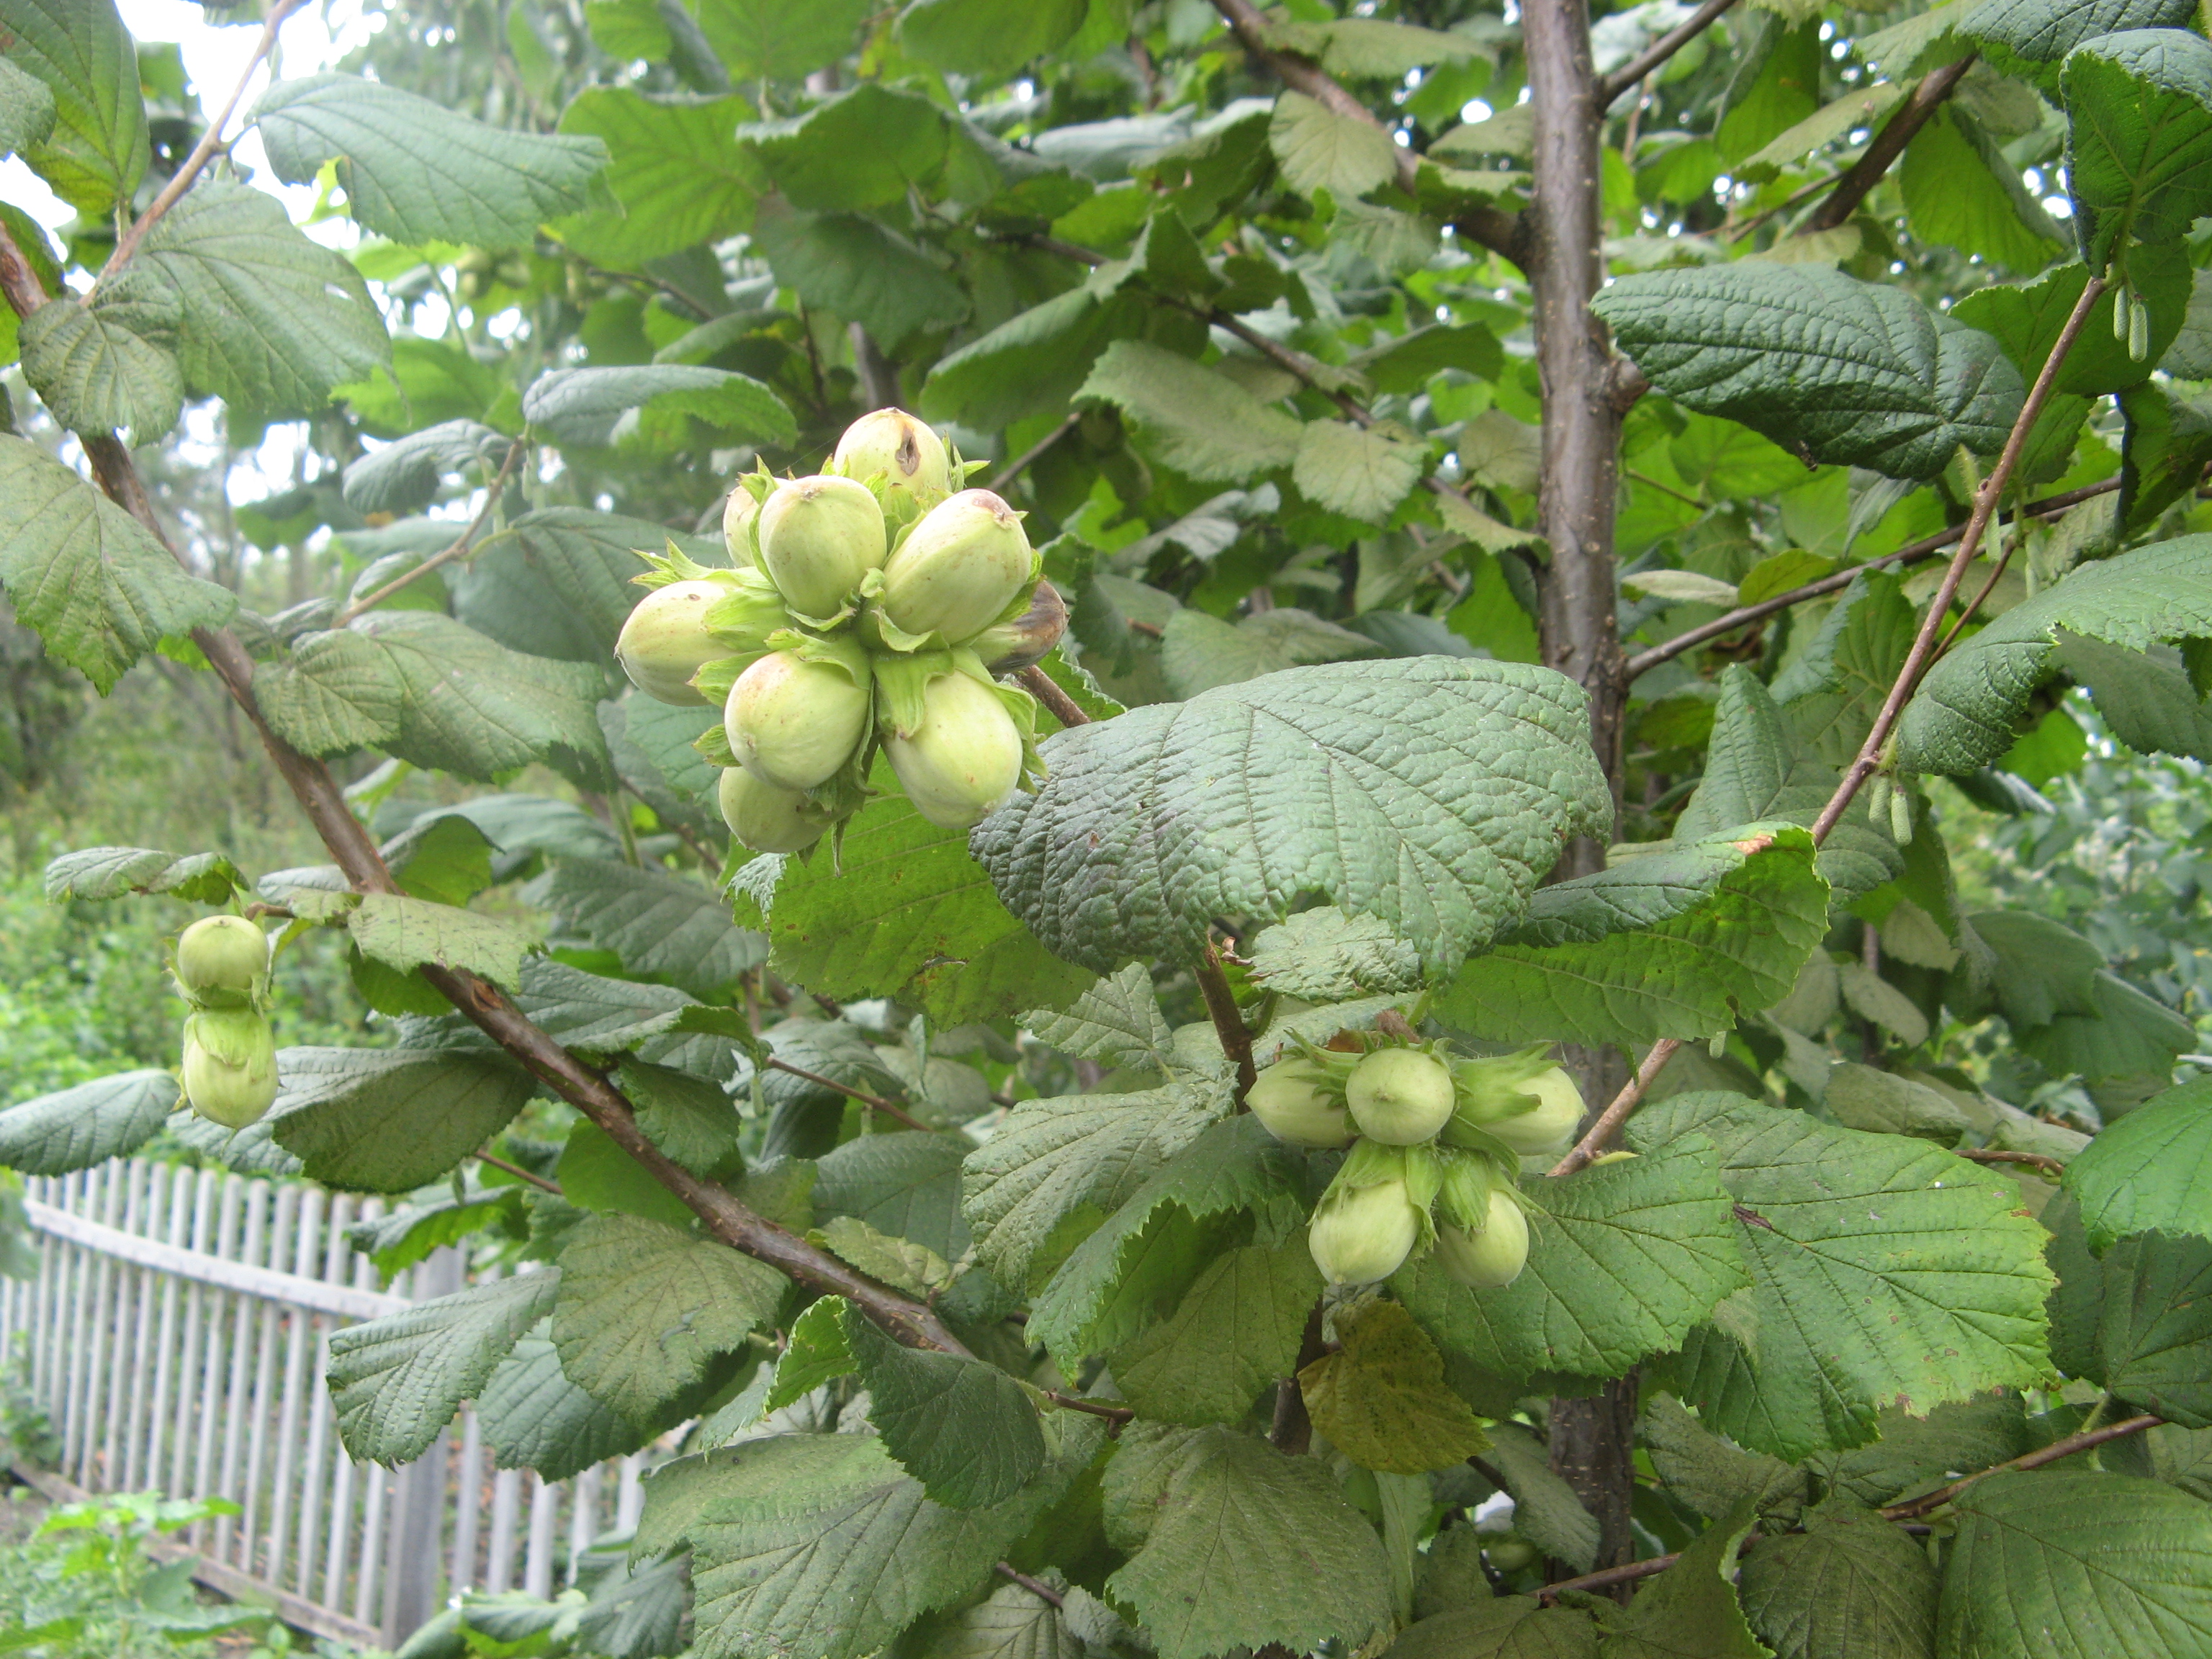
(1612,86)
(1228,1020)
(1888,144)
(2080,1441)
(1036,1587)
(874,1103)
(1028,457)
(1996,1155)
(188,175)
(459,547)
(518,1172)
(1616,1113)
(1046,689)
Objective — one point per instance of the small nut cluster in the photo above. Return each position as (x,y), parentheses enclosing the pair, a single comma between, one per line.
(230,1054)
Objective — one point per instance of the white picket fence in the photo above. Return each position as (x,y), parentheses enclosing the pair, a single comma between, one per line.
(176,1334)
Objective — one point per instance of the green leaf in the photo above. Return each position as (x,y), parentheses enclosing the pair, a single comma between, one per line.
(556,583)
(1200,422)
(1850,1586)
(1753,771)
(1051,1159)
(1836,369)
(598,406)
(1710,1474)
(405,933)
(678,175)
(1690,1608)
(403,477)
(2124,1052)
(1665,944)
(2138,138)
(822,1544)
(1545,1510)
(1323,955)
(1882,1102)
(816,1352)
(904,912)
(1249,1546)
(2154,1328)
(100,591)
(865,148)
(400,1239)
(1332,780)
(1860,106)
(594,1173)
(2031,38)
(1962,717)
(96,150)
(109,1118)
(434,692)
(899,1262)
(964,1429)
(97,376)
(1624,1260)
(261,317)
(1235,1331)
(1117,1022)
(27,110)
(2149,705)
(110,873)
(858,269)
(2151,1171)
(661,925)
(781,40)
(390,1120)
(905,1184)
(644,1306)
(1199,652)
(1833,690)
(532,1416)
(416,171)
(1032,362)
(397,1381)
(1960,189)
(986,37)
(2026,318)
(2075,1564)
(1012,1622)
(1501,1627)
(1915,1453)
(689,1118)
(1382,1400)
(1320,149)
(1358,471)
(2167,443)
(1885,1273)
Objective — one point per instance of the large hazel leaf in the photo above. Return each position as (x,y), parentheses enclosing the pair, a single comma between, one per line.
(557,583)
(1666,944)
(1962,717)
(2077,1564)
(1235,1331)
(97,376)
(595,406)
(963,1428)
(678,175)
(904,912)
(27,109)
(657,923)
(94,148)
(859,269)
(2154,1328)
(1434,793)
(534,1418)
(2031,38)
(1850,1586)
(1692,1608)
(99,591)
(109,1118)
(401,476)
(397,1381)
(1886,1273)
(984,37)
(110,873)
(1383,1399)
(389,1120)
(1203,423)
(416,171)
(2151,1171)
(1836,369)
(1244,1546)
(258,315)
(2139,139)
(1624,1260)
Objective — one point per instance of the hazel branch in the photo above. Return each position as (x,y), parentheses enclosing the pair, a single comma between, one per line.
(459,548)
(1612,86)
(1888,145)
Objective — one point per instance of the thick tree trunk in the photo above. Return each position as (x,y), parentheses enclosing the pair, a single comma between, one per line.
(1592,1441)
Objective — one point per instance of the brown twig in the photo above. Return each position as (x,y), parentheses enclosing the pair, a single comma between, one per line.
(1491,228)
(188,175)
(1616,1113)
(1612,86)
(1228,1020)
(19,283)
(1911,553)
(518,1172)
(1028,457)
(1923,654)
(1042,686)
(874,1103)
(1117,1415)
(446,556)
(1610,1576)
(727,1218)
(2042,1161)
(1036,1587)
(1913,1507)
(1886,147)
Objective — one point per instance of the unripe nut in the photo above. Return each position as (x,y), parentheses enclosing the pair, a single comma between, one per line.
(764,818)
(793,723)
(1009,647)
(958,569)
(1400,1096)
(1363,1234)
(222,960)
(230,1065)
(1291,1103)
(965,757)
(664,642)
(1492,1257)
(893,446)
(1552,1121)
(739,512)
(817,537)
